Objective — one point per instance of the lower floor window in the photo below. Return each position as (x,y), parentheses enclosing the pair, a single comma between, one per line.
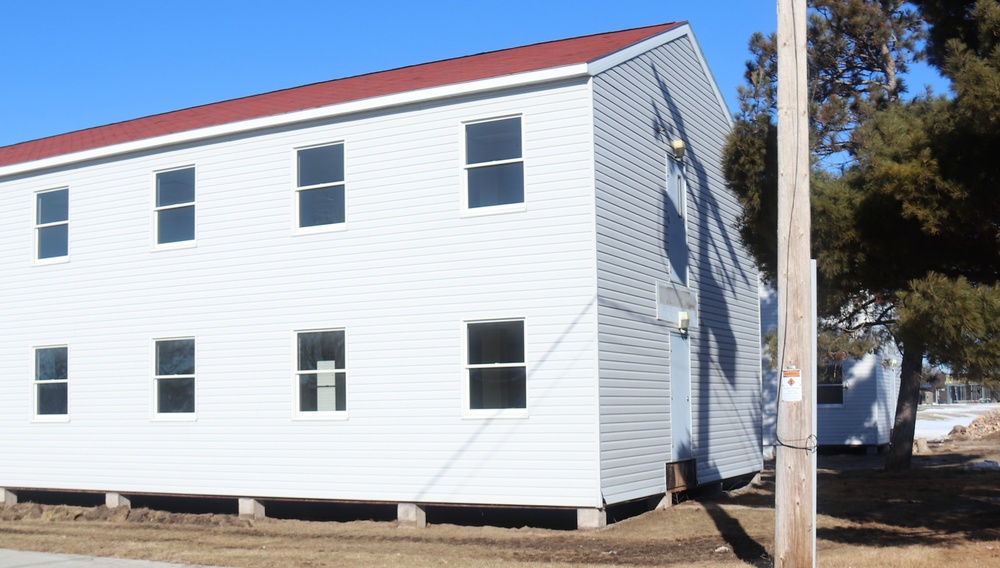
(495,365)
(321,371)
(175,376)
(51,381)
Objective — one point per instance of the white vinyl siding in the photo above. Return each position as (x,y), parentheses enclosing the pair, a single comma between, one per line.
(401,281)
(640,106)
(864,418)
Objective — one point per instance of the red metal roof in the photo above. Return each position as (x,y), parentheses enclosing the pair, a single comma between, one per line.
(450,71)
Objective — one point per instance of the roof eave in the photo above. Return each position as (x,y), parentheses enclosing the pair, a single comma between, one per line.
(529,78)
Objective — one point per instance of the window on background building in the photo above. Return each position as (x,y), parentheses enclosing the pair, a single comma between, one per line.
(175,196)
(495,365)
(321,371)
(320,186)
(494,165)
(52,224)
(830,383)
(175,375)
(51,381)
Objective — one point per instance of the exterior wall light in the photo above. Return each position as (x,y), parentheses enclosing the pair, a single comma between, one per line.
(679,148)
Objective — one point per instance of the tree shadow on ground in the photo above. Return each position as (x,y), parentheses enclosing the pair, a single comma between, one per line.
(743,545)
(938,500)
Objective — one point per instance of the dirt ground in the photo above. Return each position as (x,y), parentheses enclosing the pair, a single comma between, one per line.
(943,512)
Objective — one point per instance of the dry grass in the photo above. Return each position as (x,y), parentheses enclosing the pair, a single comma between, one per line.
(938,514)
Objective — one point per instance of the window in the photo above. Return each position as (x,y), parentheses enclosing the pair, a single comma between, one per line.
(495,365)
(174,376)
(175,206)
(320,186)
(52,224)
(321,371)
(830,382)
(51,378)
(493,163)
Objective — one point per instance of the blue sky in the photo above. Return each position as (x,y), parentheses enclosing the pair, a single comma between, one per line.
(72,64)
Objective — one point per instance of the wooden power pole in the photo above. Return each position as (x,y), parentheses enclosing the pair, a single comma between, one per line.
(795,468)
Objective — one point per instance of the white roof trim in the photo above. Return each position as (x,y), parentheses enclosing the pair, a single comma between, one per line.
(395,99)
(621,56)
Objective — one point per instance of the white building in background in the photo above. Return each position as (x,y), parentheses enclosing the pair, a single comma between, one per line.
(855,403)
(504,279)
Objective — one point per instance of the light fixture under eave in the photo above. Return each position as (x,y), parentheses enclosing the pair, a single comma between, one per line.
(679,148)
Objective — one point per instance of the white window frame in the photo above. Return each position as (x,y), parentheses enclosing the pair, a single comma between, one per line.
(155,398)
(39,226)
(480,413)
(157,245)
(491,209)
(329,227)
(35,383)
(297,412)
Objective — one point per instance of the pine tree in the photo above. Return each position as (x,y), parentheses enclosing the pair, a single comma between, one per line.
(906,212)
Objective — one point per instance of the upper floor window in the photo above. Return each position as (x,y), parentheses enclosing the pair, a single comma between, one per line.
(174,378)
(321,371)
(319,187)
(495,365)
(51,381)
(175,193)
(494,165)
(52,225)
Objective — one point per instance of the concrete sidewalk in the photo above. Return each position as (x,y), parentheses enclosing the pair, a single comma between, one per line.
(22,559)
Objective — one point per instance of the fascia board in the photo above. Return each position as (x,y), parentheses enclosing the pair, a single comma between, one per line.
(619,57)
(331,111)
(601,65)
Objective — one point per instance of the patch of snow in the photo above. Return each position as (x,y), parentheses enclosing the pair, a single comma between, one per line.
(985,465)
(936,421)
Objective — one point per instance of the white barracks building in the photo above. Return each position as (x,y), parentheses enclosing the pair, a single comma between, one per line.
(504,279)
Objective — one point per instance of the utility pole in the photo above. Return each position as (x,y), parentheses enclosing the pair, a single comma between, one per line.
(795,467)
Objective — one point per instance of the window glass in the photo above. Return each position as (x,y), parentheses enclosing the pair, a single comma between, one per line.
(175,214)
(53,206)
(321,371)
(175,357)
(175,225)
(497,388)
(51,373)
(321,206)
(321,165)
(496,185)
(175,368)
(493,141)
(830,383)
(174,187)
(53,242)
(320,186)
(496,370)
(496,342)
(494,165)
